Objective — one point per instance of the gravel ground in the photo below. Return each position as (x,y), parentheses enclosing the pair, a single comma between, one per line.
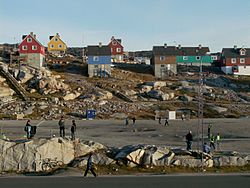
(235,133)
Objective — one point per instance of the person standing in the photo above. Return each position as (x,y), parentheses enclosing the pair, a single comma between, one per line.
(212,141)
(133,119)
(166,122)
(159,119)
(189,140)
(217,140)
(209,130)
(126,121)
(90,166)
(73,129)
(28,129)
(61,124)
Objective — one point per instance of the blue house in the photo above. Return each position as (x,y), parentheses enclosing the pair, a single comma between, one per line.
(99,61)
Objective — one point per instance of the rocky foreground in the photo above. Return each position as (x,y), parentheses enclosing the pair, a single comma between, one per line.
(43,155)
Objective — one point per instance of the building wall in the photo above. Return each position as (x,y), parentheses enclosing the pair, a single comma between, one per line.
(227,69)
(243,70)
(56,44)
(167,60)
(228,61)
(101,60)
(40,49)
(192,59)
(164,70)
(34,60)
(118,57)
(99,70)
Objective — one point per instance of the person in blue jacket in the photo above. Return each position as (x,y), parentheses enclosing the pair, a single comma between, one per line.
(90,166)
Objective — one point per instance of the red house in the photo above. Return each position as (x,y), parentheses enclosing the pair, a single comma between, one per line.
(236,61)
(116,49)
(32,51)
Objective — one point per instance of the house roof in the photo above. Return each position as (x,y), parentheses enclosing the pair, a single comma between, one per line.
(33,36)
(56,36)
(119,41)
(234,53)
(179,51)
(98,51)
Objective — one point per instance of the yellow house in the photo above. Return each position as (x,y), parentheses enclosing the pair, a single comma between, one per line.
(56,45)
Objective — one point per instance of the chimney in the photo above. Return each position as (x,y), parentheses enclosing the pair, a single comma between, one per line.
(179,46)
(165,45)
(34,36)
(235,47)
(31,33)
(100,44)
(57,34)
(112,38)
(200,46)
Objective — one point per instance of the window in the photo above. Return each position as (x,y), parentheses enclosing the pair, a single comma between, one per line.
(162,58)
(95,58)
(162,65)
(59,46)
(118,50)
(51,46)
(233,60)
(24,48)
(34,47)
(96,66)
(242,52)
(185,58)
(214,58)
(56,39)
(114,43)
(198,57)
(29,39)
(242,60)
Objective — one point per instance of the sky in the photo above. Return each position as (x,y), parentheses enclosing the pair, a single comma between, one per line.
(141,24)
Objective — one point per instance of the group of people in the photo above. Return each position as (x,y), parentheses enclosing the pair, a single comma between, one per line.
(214,141)
(61,124)
(31,130)
(166,123)
(127,121)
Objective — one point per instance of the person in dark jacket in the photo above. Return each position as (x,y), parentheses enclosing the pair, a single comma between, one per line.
(61,124)
(73,130)
(27,129)
(90,166)
(189,140)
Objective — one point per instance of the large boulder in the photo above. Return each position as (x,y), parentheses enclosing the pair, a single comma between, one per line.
(156,94)
(230,161)
(35,155)
(219,109)
(5,91)
(104,95)
(71,96)
(157,84)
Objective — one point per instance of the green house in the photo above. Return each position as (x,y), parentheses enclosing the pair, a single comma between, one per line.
(193,55)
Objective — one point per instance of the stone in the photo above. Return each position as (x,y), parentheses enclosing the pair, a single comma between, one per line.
(186,98)
(219,109)
(5,92)
(156,94)
(30,156)
(130,93)
(104,95)
(145,88)
(157,84)
(71,96)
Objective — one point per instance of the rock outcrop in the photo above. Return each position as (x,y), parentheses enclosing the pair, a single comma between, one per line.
(41,155)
